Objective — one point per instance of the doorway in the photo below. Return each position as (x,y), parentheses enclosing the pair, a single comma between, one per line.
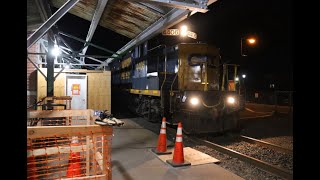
(77,89)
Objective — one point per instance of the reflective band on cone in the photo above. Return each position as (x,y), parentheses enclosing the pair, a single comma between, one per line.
(163,125)
(179,131)
(178,139)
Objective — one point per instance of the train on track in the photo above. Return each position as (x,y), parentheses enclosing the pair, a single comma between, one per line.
(186,82)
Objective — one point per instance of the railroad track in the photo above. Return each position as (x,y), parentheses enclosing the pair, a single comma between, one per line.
(256,162)
(265,144)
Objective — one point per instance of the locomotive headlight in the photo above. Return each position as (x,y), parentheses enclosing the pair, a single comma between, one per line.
(231,100)
(194,101)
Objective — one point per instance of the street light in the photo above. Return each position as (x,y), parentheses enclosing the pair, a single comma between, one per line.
(250,41)
(243,76)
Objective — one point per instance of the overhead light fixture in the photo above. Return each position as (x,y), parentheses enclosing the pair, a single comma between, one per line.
(67,66)
(56,50)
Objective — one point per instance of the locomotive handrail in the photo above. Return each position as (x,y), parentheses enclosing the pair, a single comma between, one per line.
(165,75)
(171,89)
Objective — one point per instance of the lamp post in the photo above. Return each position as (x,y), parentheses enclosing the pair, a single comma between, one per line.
(248,41)
(241,51)
(244,86)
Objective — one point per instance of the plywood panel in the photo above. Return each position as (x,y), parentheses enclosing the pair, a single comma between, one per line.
(41,85)
(99,88)
(59,86)
(193,156)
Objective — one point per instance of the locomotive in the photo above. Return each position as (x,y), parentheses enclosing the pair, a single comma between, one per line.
(186,82)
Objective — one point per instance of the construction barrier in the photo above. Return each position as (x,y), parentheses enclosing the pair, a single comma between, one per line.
(79,150)
(59,117)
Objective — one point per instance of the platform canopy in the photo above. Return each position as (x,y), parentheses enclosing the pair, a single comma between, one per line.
(139,20)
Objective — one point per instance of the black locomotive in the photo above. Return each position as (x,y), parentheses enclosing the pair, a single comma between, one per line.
(185,83)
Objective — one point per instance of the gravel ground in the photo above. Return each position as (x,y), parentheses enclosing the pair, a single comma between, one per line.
(273,157)
(240,168)
(284,141)
(266,154)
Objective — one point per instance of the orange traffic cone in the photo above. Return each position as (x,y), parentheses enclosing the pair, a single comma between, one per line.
(162,140)
(178,157)
(74,168)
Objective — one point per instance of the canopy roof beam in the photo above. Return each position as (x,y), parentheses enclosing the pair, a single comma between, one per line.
(94,23)
(50,22)
(171,18)
(199,7)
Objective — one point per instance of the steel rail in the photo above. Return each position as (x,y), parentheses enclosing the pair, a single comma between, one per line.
(256,162)
(266,144)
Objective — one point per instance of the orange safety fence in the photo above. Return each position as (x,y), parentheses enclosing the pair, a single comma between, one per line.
(59,117)
(79,150)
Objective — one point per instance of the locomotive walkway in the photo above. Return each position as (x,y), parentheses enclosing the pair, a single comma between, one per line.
(132,159)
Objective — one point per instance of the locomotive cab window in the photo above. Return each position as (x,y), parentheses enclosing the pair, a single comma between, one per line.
(199,65)
(203,70)
(196,59)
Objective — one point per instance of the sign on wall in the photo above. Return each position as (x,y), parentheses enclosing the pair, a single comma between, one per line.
(75,89)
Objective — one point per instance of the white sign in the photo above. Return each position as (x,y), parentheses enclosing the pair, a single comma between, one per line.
(192,35)
(176,32)
(171,32)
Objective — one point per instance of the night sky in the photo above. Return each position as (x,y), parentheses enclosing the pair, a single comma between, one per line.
(270,21)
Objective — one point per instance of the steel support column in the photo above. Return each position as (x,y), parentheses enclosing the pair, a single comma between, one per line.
(50,67)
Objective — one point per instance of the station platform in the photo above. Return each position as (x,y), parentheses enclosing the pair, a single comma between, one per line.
(132,158)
